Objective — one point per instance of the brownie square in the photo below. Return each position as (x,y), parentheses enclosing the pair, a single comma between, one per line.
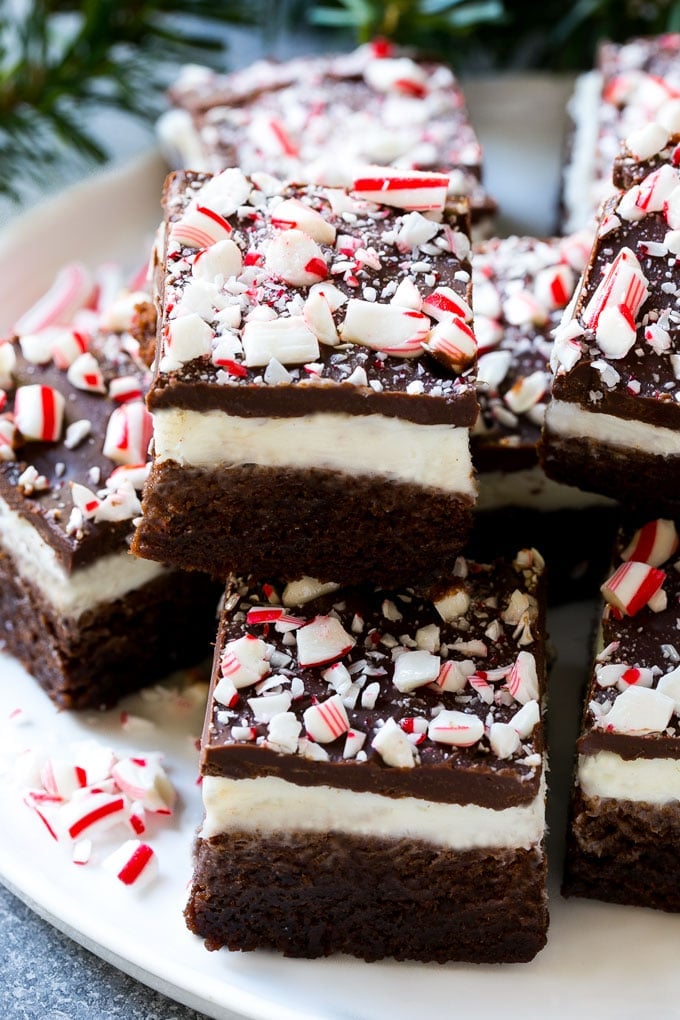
(625,814)
(316,118)
(314,385)
(373,770)
(88,620)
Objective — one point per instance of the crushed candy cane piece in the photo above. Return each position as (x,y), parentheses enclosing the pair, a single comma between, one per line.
(522,681)
(631,586)
(410,189)
(459,729)
(244,661)
(639,710)
(327,720)
(415,669)
(654,543)
(133,863)
(39,412)
(388,328)
(288,340)
(128,433)
(323,640)
(394,747)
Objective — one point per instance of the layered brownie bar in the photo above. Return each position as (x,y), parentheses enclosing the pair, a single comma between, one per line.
(316,118)
(520,288)
(314,386)
(625,825)
(90,621)
(613,425)
(633,84)
(373,774)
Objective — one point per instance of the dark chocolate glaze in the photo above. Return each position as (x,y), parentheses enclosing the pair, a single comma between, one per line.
(655,403)
(49,511)
(446,398)
(445,773)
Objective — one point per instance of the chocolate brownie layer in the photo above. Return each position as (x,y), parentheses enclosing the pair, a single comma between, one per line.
(624,852)
(312,895)
(112,649)
(636,478)
(334,525)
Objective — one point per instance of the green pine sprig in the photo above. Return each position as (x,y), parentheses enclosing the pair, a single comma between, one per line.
(61,60)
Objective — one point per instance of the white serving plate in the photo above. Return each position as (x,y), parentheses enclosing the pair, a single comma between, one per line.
(616,963)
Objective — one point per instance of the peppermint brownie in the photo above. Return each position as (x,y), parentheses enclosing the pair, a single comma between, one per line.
(373,770)
(314,385)
(520,288)
(613,425)
(316,118)
(625,819)
(633,84)
(87,619)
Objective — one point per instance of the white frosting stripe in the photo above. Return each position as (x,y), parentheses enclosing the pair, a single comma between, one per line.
(70,595)
(273,806)
(652,780)
(570,421)
(432,456)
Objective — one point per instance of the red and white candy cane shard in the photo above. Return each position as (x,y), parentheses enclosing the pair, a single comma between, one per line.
(453,344)
(128,433)
(273,614)
(244,661)
(39,412)
(404,189)
(70,291)
(631,586)
(137,818)
(459,729)
(67,346)
(200,227)
(85,374)
(481,686)
(293,214)
(134,863)
(60,778)
(654,543)
(387,328)
(394,746)
(623,284)
(82,851)
(323,640)
(554,286)
(443,303)
(35,804)
(294,257)
(354,742)
(145,780)
(288,339)
(522,680)
(319,319)
(135,474)
(451,677)
(124,388)
(8,360)
(326,721)
(93,813)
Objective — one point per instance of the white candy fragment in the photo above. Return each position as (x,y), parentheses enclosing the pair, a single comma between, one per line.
(295,258)
(388,328)
(407,295)
(144,779)
(8,360)
(526,719)
(394,747)
(354,742)
(639,710)
(291,214)
(134,863)
(526,392)
(269,705)
(647,140)
(452,603)
(396,74)
(187,337)
(453,676)
(298,593)
(521,308)
(37,347)
(459,729)
(327,720)
(415,230)
(289,340)
(244,661)
(415,669)
(283,732)
(323,640)
(670,686)
(319,318)
(221,259)
(504,739)
(199,227)
(492,368)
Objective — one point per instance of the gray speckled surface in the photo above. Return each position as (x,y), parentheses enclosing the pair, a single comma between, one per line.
(44,974)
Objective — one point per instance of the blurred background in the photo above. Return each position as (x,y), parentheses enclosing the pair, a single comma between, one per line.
(81,83)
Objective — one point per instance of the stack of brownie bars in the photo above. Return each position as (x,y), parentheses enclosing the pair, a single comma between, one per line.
(347,400)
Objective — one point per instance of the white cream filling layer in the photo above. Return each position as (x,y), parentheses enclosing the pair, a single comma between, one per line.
(653,780)
(273,806)
(35,561)
(570,421)
(531,489)
(431,456)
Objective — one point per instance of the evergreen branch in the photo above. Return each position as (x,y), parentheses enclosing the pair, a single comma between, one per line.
(58,58)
